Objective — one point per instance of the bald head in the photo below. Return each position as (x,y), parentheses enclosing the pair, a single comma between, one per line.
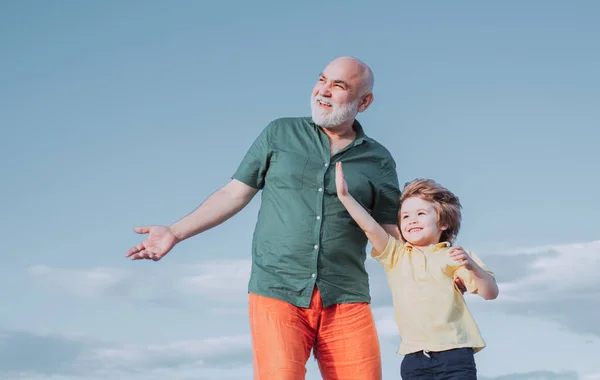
(344,89)
(355,70)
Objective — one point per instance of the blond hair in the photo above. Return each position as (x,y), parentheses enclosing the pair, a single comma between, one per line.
(443,200)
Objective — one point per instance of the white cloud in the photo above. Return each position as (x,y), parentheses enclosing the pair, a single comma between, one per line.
(559,283)
(84,283)
(34,355)
(537,375)
(220,279)
(217,279)
(228,311)
(183,373)
(555,283)
(385,322)
(570,269)
(206,352)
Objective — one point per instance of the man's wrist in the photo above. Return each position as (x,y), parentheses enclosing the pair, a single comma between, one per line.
(178,234)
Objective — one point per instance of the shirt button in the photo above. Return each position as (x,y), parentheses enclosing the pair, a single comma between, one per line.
(318,217)
(326,164)
(313,275)
(316,246)
(320,189)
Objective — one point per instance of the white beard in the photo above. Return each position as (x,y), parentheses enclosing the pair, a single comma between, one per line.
(338,114)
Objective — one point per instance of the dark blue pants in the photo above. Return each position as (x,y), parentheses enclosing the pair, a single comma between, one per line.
(456,364)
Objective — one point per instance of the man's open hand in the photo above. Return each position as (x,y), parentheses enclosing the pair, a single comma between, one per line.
(159,242)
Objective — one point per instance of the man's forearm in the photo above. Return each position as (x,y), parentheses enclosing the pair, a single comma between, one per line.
(216,209)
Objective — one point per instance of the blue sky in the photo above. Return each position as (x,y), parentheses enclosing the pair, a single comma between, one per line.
(123,113)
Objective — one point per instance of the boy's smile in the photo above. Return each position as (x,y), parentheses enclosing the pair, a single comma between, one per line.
(419,222)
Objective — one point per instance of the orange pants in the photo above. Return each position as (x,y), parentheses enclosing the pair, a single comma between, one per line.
(344,339)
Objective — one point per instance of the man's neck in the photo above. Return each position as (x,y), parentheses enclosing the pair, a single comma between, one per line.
(344,131)
(340,136)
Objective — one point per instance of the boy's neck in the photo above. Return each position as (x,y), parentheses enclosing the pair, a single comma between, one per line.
(424,247)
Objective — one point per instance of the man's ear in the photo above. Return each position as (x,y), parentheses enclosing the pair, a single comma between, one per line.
(365,102)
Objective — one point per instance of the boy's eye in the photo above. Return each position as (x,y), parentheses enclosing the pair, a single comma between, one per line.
(422,213)
(404,216)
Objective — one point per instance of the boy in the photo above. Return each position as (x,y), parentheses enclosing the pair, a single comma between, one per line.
(439,335)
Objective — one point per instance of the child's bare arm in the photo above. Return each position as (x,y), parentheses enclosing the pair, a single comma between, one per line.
(375,233)
(484,282)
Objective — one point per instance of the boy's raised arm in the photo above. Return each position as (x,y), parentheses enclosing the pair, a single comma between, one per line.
(375,233)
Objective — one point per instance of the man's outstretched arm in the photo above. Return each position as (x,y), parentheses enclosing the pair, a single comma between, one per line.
(216,209)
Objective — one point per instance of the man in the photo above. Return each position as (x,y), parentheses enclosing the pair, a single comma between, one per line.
(308,288)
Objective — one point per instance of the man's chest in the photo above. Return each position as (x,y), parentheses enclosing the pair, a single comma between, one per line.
(309,169)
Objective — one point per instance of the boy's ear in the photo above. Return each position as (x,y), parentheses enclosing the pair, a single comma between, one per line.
(443,228)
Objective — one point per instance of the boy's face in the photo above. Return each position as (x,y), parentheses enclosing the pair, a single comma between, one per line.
(419,222)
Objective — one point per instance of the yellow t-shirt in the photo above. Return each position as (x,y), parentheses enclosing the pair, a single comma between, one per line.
(430,311)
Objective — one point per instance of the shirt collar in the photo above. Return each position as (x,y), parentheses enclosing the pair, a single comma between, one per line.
(432,247)
(360,133)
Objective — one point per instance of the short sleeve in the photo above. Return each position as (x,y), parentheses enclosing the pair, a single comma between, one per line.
(253,168)
(387,195)
(389,257)
(467,277)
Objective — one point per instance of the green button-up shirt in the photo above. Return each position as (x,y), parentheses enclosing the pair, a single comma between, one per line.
(304,236)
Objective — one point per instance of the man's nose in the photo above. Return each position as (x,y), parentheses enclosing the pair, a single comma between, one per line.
(325,91)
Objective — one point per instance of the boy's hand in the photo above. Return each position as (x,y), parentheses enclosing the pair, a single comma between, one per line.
(461,257)
(340,182)
(460,285)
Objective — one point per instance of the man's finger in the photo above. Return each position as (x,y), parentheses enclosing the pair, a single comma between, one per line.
(141,230)
(141,255)
(135,249)
(148,254)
